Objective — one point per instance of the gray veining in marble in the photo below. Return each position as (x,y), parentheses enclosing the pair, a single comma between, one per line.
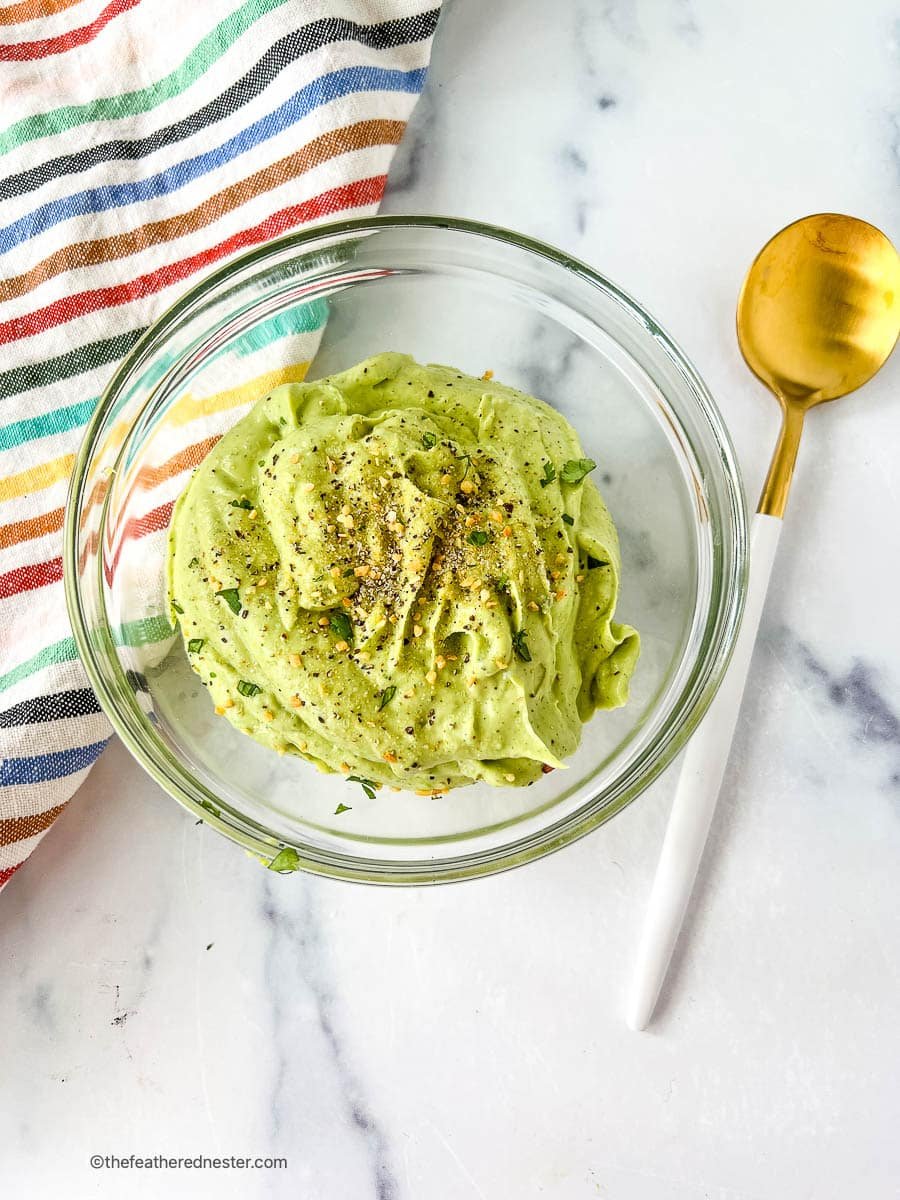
(297,964)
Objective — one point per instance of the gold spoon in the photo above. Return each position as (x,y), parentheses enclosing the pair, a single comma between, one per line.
(818,315)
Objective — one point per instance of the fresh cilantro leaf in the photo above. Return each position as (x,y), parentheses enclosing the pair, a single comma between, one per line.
(342,808)
(177,607)
(195,645)
(479,537)
(567,520)
(340,623)
(285,860)
(246,688)
(366,784)
(521,646)
(195,562)
(576,469)
(467,459)
(387,696)
(595,562)
(429,440)
(232,598)
(549,474)
(242,503)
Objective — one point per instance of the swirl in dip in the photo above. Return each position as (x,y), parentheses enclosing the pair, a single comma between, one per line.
(404,574)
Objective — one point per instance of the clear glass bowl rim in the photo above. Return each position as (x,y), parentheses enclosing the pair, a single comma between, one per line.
(195,797)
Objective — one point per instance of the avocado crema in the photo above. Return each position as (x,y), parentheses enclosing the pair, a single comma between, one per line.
(404,574)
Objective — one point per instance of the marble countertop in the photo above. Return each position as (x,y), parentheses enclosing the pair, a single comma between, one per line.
(164,995)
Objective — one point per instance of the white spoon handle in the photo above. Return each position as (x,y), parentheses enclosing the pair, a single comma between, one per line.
(698,789)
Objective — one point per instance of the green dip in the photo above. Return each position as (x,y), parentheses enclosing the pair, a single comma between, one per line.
(404,574)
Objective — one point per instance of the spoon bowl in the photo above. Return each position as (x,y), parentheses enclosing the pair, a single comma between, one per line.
(818,313)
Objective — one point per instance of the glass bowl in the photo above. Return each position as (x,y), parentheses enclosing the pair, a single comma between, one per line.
(446,291)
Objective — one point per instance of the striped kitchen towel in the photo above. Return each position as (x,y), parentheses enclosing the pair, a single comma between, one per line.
(141,142)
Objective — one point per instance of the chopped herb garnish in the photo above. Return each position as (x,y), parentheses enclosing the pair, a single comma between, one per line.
(467,459)
(521,646)
(246,688)
(285,860)
(595,562)
(195,645)
(429,440)
(340,623)
(386,697)
(177,607)
(502,583)
(232,598)
(342,808)
(195,562)
(366,784)
(242,503)
(549,474)
(576,469)
(567,520)
(479,537)
(282,420)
